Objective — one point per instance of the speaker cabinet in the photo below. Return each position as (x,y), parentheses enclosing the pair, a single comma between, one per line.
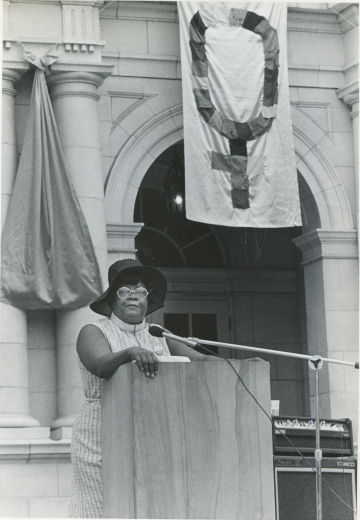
(295,488)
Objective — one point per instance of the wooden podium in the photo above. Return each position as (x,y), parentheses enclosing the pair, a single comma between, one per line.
(189,443)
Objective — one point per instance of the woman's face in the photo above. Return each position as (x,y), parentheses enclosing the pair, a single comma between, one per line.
(132,309)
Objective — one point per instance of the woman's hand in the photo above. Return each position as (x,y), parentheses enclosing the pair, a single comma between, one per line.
(145,360)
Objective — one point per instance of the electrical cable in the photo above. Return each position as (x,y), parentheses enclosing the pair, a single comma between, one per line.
(343,468)
(342,461)
(278,429)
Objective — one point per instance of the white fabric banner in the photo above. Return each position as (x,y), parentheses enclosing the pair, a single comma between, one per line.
(240,165)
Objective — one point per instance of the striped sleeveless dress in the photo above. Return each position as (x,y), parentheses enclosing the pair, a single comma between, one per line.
(86,492)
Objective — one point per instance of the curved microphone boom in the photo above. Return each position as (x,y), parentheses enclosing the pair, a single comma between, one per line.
(158,331)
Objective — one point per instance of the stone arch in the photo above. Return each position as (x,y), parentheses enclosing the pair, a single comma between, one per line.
(313,148)
(165,129)
(135,158)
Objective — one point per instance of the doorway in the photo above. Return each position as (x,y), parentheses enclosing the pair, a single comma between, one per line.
(198,317)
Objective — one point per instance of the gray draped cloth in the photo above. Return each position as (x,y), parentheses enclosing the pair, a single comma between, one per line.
(48,259)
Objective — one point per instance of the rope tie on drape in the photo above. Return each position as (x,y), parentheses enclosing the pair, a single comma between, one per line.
(48,258)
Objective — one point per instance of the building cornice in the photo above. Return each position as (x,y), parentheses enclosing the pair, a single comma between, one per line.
(142,11)
(301,20)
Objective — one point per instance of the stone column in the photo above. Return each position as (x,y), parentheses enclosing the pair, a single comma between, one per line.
(330,261)
(350,96)
(74,98)
(348,19)
(14,376)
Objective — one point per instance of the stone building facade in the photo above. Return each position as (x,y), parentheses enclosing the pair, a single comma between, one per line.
(117,98)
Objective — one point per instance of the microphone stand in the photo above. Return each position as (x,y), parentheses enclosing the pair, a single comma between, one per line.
(193,342)
(318,453)
(315,363)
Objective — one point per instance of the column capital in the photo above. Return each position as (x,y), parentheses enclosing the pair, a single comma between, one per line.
(350,93)
(11,76)
(81,81)
(121,238)
(322,244)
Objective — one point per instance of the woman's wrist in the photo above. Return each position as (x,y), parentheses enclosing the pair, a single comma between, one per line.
(127,351)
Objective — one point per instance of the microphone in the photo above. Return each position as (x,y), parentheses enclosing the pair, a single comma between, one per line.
(160,332)
(156,330)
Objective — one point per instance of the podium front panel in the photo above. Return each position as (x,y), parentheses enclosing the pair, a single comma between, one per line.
(189,443)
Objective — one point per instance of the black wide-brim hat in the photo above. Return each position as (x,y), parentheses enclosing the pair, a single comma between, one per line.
(151,277)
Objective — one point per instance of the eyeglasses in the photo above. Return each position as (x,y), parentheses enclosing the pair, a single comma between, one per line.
(124,293)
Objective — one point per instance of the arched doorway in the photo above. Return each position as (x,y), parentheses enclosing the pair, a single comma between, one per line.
(265,299)
(227,284)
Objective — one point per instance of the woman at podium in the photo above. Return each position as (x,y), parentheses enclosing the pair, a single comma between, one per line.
(120,337)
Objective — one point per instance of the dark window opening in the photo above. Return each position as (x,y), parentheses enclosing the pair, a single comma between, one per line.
(201,326)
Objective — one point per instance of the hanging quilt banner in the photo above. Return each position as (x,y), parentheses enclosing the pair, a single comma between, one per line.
(240,165)
(48,259)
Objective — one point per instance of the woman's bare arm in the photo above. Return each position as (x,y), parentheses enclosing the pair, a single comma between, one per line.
(95,354)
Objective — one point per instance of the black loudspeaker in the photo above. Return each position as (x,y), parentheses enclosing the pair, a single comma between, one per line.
(295,488)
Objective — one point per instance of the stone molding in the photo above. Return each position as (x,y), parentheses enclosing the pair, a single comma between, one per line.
(350,93)
(121,237)
(11,76)
(82,47)
(93,3)
(68,83)
(355,113)
(79,93)
(144,11)
(139,99)
(348,15)
(303,20)
(35,450)
(97,69)
(160,132)
(24,420)
(318,104)
(213,282)
(60,75)
(114,230)
(63,421)
(35,444)
(80,20)
(323,244)
(319,173)
(9,91)
(78,31)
